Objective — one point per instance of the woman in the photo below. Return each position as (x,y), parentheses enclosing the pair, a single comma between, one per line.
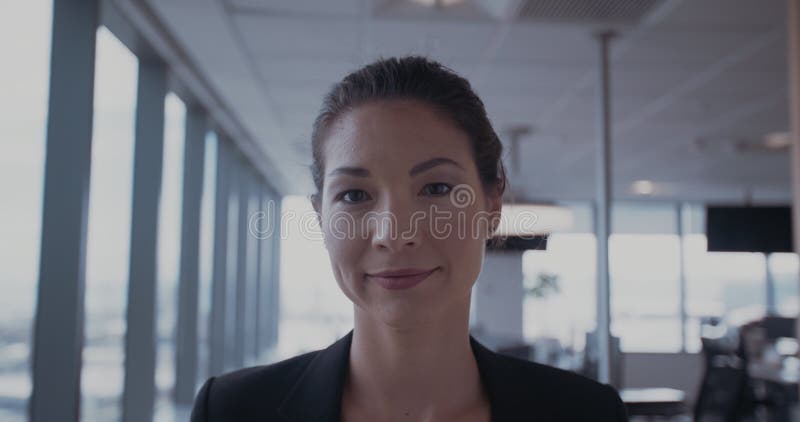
(409,184)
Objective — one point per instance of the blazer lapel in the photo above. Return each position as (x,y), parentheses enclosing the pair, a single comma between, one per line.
(317,394)
(506,397)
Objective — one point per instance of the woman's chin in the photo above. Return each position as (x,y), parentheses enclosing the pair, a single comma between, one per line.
(422,313)
(404,323)
(402,316)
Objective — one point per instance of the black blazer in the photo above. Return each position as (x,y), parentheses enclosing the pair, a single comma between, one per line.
(308,388)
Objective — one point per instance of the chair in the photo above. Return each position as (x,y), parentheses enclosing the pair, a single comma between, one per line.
(777,327)
(725,394)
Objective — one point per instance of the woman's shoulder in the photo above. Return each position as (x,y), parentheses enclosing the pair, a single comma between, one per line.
(561,394)
(248,392)
(273,373)
(535,374)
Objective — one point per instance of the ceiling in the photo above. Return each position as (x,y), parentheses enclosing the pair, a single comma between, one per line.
(691,80)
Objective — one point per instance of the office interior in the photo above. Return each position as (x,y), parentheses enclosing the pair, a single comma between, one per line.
(156,228)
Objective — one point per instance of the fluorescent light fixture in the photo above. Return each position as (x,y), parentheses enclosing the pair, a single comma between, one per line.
(534,219)
(643,187)
(438,3)
(777,140)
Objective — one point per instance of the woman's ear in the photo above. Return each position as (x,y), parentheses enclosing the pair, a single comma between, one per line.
(314,198)
(315,203)
(494,205)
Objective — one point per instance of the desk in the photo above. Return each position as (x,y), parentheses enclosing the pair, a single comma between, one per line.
(765,372)
(654,401)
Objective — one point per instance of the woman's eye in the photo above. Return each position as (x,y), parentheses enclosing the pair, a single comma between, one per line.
(353,196)
(437,189)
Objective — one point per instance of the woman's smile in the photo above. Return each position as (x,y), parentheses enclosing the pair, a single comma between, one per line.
(400,279)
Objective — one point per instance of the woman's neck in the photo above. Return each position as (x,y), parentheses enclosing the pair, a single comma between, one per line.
(422,373)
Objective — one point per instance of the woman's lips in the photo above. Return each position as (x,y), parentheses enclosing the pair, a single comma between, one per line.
(400,279)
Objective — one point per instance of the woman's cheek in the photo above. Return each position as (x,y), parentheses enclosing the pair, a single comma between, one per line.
(345,260)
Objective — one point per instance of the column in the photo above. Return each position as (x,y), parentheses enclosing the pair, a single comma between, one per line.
(140,338)
(58,326)
(602,210)
(251,274)
(257,227)
(242,278)
(275,273)
(216,336)
(234,184)
(266,231)
(682,273)
(793,26)
(186,342)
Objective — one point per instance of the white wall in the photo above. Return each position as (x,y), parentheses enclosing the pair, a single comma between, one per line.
(497,300)
(682,371)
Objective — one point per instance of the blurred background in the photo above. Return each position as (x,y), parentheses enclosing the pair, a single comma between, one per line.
(156,230)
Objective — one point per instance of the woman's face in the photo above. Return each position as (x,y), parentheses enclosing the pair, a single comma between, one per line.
(402,191)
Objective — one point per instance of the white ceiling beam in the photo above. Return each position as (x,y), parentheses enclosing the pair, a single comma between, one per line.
(160,37)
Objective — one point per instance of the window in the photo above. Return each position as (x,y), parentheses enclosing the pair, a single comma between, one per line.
(645,291)
(644,267)
(108,241)
(169,243)
(25,31)
(206,252)
(722,284)
(569,313)
(314,311)
(785,270)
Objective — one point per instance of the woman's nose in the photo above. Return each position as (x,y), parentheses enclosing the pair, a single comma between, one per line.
(395,229)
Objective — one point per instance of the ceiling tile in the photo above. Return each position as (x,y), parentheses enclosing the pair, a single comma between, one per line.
(443,40)
(559,44)
(328,70)
(689,47)
(333,8)
(728,13)
(298,37)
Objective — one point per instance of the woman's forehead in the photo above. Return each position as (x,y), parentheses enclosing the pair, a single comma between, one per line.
(394,129)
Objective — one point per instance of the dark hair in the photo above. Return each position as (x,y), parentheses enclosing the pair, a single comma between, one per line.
(414,78)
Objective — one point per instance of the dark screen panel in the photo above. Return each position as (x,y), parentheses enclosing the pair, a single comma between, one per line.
(518,243)
(749,229)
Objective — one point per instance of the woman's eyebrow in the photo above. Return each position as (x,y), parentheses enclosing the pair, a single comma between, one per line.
(351,171)
(418,168)
(429,164)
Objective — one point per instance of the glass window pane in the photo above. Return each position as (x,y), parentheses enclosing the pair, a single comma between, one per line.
(25,30)
(570,312)
(645,291)
(169,245)
(108,242)
(722,284)
(785,272)
(206,252)
(314,311)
